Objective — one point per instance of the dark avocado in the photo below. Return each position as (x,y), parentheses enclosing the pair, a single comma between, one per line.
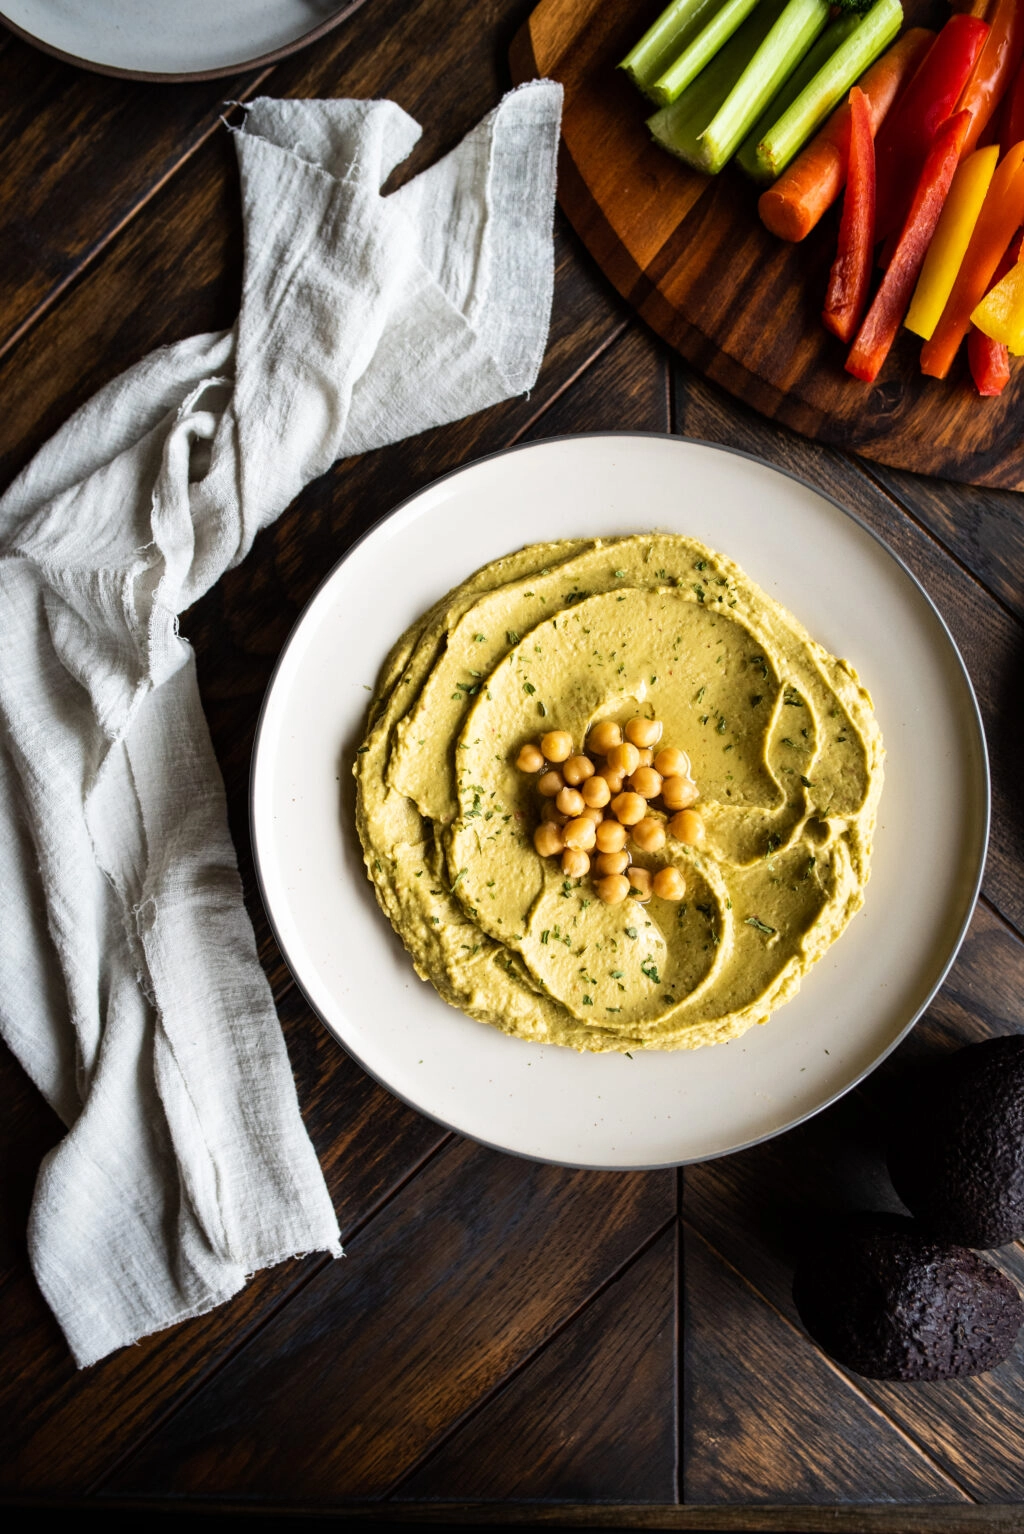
(956,1157)
(892,1306)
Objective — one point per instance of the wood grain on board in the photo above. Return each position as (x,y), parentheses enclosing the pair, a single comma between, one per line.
(691,255)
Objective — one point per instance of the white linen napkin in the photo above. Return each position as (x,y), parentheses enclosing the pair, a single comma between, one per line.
(129,984)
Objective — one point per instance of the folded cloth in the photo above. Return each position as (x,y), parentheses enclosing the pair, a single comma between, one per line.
(129,984)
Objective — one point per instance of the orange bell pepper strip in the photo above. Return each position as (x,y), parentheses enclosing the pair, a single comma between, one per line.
(997,64)
(1001,213)
(989,360)
(906,135)
(850,276)
(882,320)
(1012,130)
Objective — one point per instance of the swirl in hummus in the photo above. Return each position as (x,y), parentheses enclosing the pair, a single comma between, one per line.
(783,744)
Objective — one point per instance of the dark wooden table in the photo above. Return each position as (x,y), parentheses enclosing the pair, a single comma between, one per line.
(504,1341)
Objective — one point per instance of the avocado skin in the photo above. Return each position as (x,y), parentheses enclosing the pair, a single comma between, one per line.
(956,1158)
(892,1306)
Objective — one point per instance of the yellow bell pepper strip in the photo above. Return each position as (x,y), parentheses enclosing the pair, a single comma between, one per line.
(882,321)
(1000,315)
(951,239)
(996,67)
(1002,212)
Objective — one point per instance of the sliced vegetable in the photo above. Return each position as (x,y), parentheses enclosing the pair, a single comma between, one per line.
(677,128)
(997,64)
(787,42)
(835,33)
(882,321)
(1012,130)
(792,207)
(989,362)
(663,42)
(787,136)
(850,277)
(1002,211)
(951,238)
(904,141)
(1000,315)
(711,38)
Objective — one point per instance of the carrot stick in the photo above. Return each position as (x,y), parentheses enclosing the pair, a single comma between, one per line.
(1001,212)
(803,193)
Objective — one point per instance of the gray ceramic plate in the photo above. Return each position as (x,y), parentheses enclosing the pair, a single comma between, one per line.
(172,39)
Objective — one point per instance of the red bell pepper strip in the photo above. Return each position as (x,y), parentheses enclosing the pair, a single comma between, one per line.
(1001,213)
(906,135)
(882,321)
(997,64)
(1012,130)
(851,271)
(990,360)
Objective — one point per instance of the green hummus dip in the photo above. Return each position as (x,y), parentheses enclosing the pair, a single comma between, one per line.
(783,744)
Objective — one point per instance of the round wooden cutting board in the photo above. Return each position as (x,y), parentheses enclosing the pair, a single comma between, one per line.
(691,255)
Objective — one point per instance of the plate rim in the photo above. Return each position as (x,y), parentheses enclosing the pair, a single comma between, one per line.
(167,77)
(979,733)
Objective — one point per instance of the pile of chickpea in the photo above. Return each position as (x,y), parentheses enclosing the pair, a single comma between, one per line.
(598,809)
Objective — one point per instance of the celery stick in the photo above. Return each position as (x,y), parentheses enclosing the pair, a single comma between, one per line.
(787,42)
(670,86)
(676,127)
(662,43)
(835,33)
(790,132)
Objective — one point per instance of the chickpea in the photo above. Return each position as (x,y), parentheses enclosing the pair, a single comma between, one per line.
(669,884)
(646,782)
(644,732)
(569,801)
(577,769)
(604,736)
(549,840)
(629,808)
(688,827)
(613,777)
(649,835)
(556,745)
(550,784)
(575,863)
(646,757)
(672,763)
(596,792)
(640,884)
(611,863)
(530,758)
(679,793)
(612,890)
(580,834)
(591,812)
(624,758)
(611,836)
(551,815)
